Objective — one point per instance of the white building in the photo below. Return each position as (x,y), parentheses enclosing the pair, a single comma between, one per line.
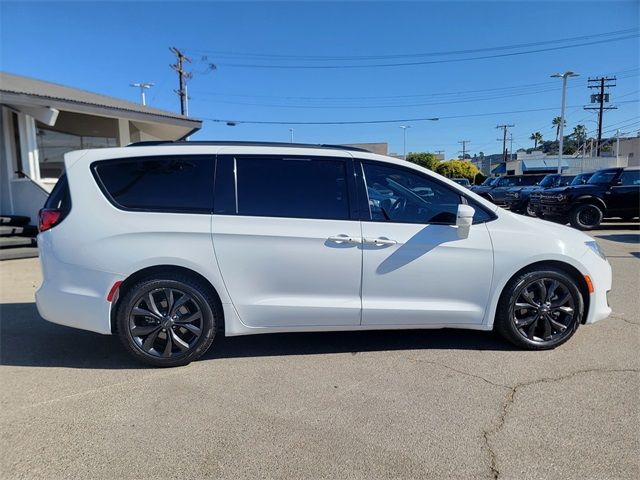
(41,121)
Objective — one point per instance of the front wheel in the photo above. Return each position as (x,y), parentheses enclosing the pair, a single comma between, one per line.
(167,321)
(529,210)
(540,310)
(586,216)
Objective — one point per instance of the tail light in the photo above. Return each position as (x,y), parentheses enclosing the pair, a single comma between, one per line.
(48,218)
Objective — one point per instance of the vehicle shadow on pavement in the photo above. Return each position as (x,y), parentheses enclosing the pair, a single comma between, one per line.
(28,340)
(621,237)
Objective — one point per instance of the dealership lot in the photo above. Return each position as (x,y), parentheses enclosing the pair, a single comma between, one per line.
(341,405)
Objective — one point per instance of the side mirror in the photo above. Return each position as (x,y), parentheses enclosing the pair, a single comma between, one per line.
(464,220)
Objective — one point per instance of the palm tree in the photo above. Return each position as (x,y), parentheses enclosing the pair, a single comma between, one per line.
(536,137)
(556,123)
(580,132)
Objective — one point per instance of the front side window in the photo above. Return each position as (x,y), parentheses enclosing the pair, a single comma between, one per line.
(581,179)
(549,181)
(398,195)
(164,184)
(292,187)
(603,177)
(507,182)
(630,177)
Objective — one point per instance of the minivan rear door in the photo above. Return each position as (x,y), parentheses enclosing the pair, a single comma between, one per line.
(286,237)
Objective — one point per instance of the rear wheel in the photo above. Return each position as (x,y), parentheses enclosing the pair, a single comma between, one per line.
(586,216)
(539,310)
(168,321)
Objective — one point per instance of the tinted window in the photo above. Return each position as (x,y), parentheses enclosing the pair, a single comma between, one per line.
(507,182)
(630,177)
(292,187)
(398,195)
(60,198)
(581,179)
(167,184)
(603,177)
(530,180)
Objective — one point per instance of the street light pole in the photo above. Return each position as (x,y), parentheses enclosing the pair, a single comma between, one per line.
(404,140)
(291,135)
(142,87)
(564,77)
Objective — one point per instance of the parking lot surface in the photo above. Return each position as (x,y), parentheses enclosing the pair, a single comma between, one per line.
(415,404)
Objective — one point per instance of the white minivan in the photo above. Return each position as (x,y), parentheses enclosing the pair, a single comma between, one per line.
(168,244)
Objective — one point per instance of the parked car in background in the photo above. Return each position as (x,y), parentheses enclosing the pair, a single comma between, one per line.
(612,192)
(462,181)
(533,206)
(496,192)
(517,198)
(168,245)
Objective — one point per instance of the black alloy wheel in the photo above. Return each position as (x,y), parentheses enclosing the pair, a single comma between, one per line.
(540,309)
(167,322)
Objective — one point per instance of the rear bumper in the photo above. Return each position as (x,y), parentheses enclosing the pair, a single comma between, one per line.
(74,296)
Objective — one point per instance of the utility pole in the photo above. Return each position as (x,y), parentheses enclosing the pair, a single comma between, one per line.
(510,146)
(183,76)
(600,98)
(464,147)
(404,140)
(142,86)
(504,140)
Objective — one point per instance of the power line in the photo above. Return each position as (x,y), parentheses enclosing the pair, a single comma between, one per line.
(430,62)
(397,120)
(320,58)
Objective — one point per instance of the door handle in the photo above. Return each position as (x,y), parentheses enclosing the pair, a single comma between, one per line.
(344,238)
(379,241)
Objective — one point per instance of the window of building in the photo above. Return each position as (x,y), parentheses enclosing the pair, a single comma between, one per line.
(53,144)
(292,187)
(14,144)
(164,184)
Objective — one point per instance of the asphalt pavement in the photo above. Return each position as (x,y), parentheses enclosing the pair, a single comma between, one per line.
(414,404)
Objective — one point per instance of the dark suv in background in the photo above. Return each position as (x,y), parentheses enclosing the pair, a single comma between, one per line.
(496,192)
(517,198)
(612,192)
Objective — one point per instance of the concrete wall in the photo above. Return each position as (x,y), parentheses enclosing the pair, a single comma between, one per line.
(630,151)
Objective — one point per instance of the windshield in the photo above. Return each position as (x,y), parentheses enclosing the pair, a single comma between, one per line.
(603,177)
(489,181)
(549,181)
(581,179)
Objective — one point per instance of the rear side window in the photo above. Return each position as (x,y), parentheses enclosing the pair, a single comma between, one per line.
(630,177)
(292,187)
(163,184)
(60,198)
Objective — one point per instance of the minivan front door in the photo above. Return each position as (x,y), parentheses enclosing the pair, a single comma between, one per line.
(416,269)
(287,241)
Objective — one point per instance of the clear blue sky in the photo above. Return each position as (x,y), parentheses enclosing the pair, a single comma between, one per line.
(104,46)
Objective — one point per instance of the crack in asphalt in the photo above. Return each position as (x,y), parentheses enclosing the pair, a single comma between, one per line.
(510,400)
(461,372)
(625,320)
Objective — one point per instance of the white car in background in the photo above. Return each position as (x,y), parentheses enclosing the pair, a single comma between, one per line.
(168,244)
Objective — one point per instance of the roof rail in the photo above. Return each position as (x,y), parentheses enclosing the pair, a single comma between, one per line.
(243,144)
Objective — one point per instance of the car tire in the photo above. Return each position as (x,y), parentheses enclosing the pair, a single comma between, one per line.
(586,216)
(557,319)
(175,316)
(529,211)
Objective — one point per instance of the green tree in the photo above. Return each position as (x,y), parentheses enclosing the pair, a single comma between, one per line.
(536,137)
(457,169)
(556,123)
(424,159)
(580,133)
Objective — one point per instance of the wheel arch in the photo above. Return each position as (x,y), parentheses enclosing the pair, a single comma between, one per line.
(567,268)
(150,271)
(591,199)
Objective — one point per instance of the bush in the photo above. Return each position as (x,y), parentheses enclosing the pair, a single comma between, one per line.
(458,169)
(424,159)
